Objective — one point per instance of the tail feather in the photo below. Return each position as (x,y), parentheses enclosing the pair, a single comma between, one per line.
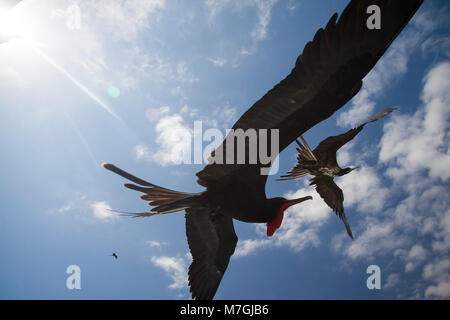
(293,174)
(347,226)
(305,159)
(163,200)
(300,172)
(285,177)
(134,214)
(307,152)
(379,115)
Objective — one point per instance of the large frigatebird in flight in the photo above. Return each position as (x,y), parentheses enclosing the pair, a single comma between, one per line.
(321,163)
(326,75)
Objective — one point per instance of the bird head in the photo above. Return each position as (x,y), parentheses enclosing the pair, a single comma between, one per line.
(281,204)
(348,170)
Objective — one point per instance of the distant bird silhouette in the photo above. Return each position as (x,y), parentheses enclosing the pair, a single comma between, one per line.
(114,255)
(322,164)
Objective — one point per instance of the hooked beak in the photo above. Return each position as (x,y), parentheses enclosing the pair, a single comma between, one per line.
(298,200)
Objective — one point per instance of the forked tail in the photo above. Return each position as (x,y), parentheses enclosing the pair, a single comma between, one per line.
(305,158)
(164,200)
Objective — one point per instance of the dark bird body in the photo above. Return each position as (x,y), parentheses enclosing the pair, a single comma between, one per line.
(321,163)
(326,75)
(114,255)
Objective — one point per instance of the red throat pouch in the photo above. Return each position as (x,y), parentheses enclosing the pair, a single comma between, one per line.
(275,223)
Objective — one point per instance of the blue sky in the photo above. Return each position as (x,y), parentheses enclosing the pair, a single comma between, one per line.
(124,84)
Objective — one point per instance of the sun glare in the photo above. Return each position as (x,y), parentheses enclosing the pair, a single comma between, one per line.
(17,24)
(28,40)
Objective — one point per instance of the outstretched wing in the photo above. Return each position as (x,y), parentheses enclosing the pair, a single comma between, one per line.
(212,241)
(326,75)
(333,197)
(326,150)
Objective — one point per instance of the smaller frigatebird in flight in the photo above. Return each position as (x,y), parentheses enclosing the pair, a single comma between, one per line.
(322,164)
(114,255)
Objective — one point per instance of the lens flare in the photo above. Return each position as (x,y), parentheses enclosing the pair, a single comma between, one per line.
(114,92)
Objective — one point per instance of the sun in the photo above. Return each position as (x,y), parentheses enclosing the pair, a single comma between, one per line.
(16,23)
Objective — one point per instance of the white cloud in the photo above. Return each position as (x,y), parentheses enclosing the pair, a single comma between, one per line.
(66,208)
(398,231)
(391,281)
(362,187)
(164,109)
(155,244)
(102,210)
(292,5)
(222,117)
(177,91)
(377,238)
(438,272)
(412,143)
(246,247)
(415,256)
(441,290)
(174,135)
(183,74)
(83,209)
(126,18)
(174,138)
(152,114)
(175,268)
(441,228)
(219,62)
(226,114)
(264,8)
(344,154)
(97,55)
(142,152)
(103,61)
(189,111)
(215,6)
(416,230)
(436,46)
